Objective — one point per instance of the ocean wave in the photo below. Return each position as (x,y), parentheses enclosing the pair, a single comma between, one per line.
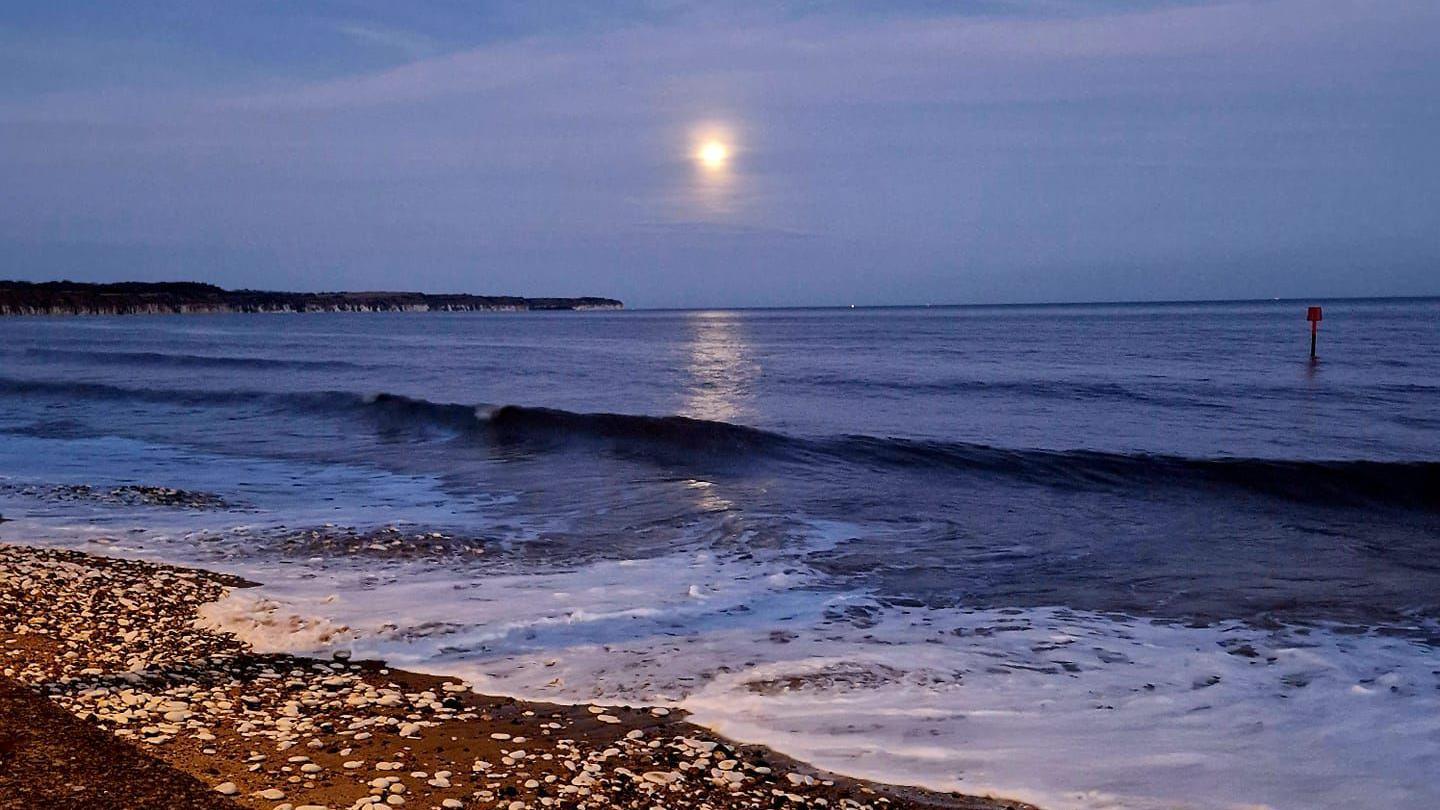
(182,360)
(1170,395)
(1207,394)
(1339,482)
(682,440)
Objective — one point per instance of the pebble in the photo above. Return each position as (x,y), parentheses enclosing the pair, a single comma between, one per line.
(661,777)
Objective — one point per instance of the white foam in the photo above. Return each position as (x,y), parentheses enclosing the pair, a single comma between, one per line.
(1061,708)
(1064,709)
(1177,722)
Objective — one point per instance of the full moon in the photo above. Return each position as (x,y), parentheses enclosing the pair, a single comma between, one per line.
(713,154)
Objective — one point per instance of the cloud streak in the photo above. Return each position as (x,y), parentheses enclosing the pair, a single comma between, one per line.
(412,45)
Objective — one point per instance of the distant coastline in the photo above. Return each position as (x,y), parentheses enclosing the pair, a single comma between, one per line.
(185,297)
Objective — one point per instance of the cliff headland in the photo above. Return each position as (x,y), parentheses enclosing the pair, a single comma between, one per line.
(182,297)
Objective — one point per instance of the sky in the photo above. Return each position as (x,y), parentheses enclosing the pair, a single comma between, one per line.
(901,152)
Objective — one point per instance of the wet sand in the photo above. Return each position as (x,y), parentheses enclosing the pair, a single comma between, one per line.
(109,689)
(50,759)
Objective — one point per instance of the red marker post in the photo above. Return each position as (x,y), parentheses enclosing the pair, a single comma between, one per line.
(1313,316)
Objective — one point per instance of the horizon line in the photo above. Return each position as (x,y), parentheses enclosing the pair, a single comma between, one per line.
(1094,303)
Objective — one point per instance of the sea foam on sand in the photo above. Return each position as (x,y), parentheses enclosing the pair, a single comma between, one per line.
(1062,708)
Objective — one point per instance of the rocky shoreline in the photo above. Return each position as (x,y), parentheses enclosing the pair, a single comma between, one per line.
(184,297)
(185,712)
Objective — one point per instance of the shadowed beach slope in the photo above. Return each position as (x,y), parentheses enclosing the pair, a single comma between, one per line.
(49,759)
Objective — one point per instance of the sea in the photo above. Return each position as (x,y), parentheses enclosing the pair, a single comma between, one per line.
(1089,556)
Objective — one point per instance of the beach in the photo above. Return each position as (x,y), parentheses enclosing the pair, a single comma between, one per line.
(160,712)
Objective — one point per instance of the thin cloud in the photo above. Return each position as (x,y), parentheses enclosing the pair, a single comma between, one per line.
(407,43)
(959,58)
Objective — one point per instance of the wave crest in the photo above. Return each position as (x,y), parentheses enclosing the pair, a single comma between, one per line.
(683,440)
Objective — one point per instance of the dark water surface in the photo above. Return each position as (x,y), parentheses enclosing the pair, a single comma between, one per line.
(1180,460)
(814,469)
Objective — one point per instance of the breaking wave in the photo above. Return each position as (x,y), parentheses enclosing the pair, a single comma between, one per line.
(681,440)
